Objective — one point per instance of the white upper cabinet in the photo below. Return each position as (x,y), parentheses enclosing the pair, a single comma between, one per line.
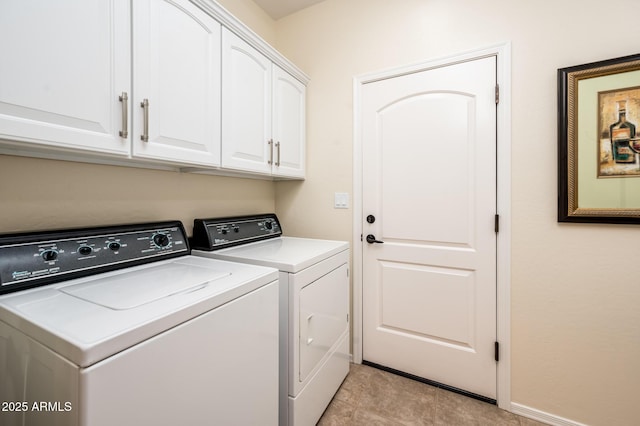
(177,84)
(289,107)
(63,66)
(246,106)
(176,80)
(263,113)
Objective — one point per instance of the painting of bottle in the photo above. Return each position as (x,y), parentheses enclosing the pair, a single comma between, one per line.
(621,133)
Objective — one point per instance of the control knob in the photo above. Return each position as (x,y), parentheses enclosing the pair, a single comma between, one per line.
(114,246)
(161,240)
(85,250)
(49,255)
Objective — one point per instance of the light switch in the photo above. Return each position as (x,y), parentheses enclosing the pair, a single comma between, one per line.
(341,200)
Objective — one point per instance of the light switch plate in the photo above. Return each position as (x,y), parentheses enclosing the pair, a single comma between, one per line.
(341,200)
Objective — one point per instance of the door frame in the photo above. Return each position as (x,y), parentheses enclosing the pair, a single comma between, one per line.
(502,52)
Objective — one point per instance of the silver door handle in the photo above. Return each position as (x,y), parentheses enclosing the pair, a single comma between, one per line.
(278,157)
(145,123)
(270,142)
(124,98)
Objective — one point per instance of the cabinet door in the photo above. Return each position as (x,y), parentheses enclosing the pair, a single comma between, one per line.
(288,124)
(246,110)
(63,66)
(177,71)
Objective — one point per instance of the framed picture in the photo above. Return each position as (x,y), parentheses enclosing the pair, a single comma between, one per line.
(599,142)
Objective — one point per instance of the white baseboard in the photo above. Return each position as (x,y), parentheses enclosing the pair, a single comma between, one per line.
(541,416)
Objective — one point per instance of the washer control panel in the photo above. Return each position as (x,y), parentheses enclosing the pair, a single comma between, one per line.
(214,234)
(33,259)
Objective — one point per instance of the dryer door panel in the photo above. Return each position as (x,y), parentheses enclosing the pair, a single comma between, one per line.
(324,309)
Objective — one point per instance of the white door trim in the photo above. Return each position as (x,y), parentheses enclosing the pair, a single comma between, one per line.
(503,54)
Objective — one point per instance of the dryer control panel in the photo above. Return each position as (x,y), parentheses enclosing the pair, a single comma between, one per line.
(215,234)
(34,259)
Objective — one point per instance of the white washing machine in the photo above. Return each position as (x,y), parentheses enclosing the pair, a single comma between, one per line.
(121,326)
(314,305)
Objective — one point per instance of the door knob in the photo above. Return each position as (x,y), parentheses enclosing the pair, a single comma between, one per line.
(371,218)
(372,239)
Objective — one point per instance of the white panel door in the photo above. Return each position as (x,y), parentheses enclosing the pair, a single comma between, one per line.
(177,71)
(63,66)
(289,101)
(429,175)
(246,112)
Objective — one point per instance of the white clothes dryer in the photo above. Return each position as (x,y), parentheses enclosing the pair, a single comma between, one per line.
(314,305)
(121,326)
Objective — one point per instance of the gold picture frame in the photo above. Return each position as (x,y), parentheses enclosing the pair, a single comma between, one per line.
(598,146)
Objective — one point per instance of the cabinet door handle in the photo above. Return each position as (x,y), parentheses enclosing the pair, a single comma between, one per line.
(124,98)
(270,142)
(145,123)
(278,156)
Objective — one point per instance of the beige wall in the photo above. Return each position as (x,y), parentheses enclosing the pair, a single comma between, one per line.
(575,288)
(47,194)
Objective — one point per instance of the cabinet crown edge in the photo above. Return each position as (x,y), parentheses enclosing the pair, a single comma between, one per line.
(232,23)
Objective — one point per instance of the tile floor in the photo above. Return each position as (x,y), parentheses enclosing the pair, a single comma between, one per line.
(373,397)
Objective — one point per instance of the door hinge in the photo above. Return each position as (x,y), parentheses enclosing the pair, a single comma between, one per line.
(347,318)
(360,237)
(497,351)
(497,94)
(496,225)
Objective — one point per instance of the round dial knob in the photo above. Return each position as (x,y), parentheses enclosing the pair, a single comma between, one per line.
(85,250)
(161,240)
(114,246)
(49,255)
(268,225)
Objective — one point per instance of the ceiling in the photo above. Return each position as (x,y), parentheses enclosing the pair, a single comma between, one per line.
(280,8)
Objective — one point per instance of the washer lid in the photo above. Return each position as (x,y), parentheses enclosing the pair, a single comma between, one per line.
(89,319)
(140,287)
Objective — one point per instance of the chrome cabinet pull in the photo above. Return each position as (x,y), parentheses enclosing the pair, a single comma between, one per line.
(145,124)
(270,142)
(278,157)
(124,98)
